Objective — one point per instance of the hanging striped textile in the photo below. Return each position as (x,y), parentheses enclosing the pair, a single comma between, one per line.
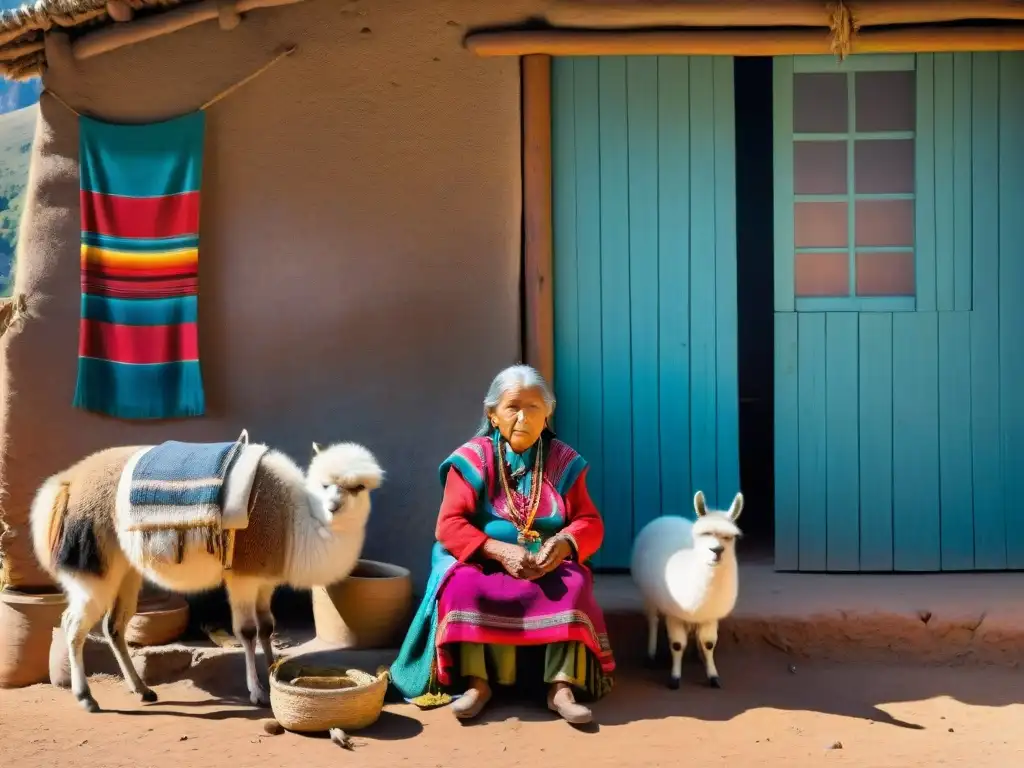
(138,351)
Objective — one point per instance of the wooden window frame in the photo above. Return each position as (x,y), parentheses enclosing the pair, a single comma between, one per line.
(784,69)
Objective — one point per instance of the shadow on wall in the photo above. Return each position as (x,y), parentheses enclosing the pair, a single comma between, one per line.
(755,261)
(757,679)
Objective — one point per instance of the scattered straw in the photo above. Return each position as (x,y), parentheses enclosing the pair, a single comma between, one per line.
(340,738)
(220,637)
(27,24)
(27,67)
(843,27)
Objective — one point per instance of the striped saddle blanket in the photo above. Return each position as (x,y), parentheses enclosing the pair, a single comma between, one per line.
(177,486)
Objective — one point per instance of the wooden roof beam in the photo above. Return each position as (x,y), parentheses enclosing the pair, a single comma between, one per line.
(615,14)
(578,42)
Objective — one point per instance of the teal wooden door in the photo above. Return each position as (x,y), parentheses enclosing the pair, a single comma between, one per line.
(645,283)
(899,185)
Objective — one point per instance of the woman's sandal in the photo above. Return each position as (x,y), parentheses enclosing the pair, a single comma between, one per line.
(471,703)
(562,701)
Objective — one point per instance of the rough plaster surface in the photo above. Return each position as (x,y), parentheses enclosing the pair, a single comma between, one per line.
(359,253)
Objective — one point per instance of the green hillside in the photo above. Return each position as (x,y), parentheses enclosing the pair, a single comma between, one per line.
(16,131)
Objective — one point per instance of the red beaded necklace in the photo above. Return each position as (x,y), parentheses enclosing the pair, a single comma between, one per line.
(523,515)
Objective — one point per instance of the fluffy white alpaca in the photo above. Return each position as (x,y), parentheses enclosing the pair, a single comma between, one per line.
(686,571)
(303,530)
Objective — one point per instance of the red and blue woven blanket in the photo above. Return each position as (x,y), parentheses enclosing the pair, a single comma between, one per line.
(138,351)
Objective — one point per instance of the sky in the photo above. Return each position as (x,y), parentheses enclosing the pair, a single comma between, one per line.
(17,95)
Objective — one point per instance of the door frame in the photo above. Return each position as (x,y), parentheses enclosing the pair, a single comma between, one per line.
(537,298)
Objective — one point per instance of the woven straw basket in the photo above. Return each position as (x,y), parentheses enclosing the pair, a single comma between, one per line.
(307,697)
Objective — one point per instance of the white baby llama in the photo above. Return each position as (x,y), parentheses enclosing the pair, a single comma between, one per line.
(303,530)
(686,571)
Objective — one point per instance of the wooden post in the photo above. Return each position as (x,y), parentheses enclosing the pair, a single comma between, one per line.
(538,303)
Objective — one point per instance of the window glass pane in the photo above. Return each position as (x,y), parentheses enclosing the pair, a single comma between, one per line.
(886,101)
(883,166)
(884,223)
(885,274)
(819,167)
(820,225)
(819,103)
(822,274)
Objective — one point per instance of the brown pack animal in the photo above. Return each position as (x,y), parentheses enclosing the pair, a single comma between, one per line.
(303,530)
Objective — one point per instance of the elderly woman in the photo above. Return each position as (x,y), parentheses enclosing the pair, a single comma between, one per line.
(514,532)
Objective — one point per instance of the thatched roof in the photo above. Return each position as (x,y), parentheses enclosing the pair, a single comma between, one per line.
(21,29)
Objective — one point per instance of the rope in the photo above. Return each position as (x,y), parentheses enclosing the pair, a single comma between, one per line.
(62,102)
(287,51)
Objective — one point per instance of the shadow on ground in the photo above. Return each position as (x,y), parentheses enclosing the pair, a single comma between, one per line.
(770,680)
(752,679)
(222,675)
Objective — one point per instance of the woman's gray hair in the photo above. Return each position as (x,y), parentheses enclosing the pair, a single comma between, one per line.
(514,377)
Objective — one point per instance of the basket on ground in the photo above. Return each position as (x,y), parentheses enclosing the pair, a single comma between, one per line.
(308,696)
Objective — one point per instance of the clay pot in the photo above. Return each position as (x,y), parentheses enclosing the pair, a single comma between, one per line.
(369,609)
(160,618)
(27,622)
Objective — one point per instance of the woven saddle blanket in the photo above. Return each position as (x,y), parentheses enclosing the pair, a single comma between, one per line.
(177,486)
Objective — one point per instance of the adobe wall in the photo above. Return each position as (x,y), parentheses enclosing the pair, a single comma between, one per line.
(359,253)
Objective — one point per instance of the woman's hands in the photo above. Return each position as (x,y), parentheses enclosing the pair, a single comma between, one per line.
(521,564)
(514,559)
(552,554)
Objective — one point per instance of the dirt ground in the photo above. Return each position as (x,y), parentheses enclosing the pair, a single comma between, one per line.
(769,712)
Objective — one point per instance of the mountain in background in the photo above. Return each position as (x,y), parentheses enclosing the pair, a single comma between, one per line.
(17,95)
(18,113)
(16,131)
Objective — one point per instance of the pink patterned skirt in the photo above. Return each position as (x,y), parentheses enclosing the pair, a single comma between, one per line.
(486,605)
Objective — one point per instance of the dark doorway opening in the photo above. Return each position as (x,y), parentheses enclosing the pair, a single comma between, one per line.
(755,276)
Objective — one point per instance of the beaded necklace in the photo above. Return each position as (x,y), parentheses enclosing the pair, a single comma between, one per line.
(523,516)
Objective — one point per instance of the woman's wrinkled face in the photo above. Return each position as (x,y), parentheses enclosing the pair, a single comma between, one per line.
(520,416)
